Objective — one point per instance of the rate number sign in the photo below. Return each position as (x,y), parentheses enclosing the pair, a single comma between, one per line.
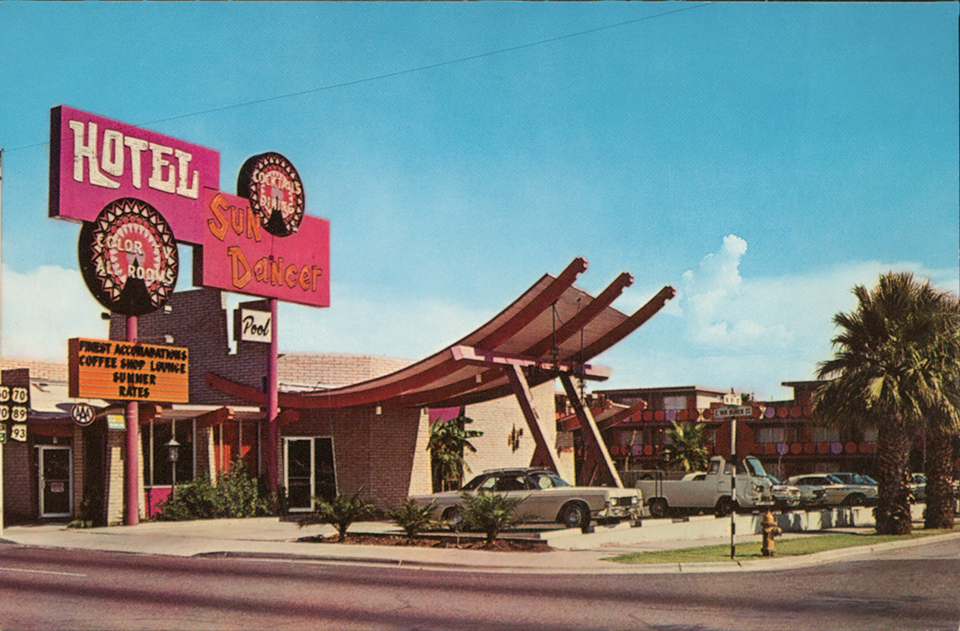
(733,412)
(14,408)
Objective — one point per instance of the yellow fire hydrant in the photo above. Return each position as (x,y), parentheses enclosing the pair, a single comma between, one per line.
(770,531)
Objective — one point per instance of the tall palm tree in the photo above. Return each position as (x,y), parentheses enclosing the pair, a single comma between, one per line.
(942,422)
(447,442)
(686,446)
(886,375)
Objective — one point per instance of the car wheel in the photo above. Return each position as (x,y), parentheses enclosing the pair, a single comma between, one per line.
(658,507)
(454,516)
(855,499)
(725,506)
(575,515)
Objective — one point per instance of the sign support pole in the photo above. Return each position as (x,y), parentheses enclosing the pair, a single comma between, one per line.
(273,399)
(133,445)
(1,444)
(733,487)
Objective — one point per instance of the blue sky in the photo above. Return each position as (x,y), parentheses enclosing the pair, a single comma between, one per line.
(762,158)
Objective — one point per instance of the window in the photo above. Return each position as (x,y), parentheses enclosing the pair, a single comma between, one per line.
(157,468)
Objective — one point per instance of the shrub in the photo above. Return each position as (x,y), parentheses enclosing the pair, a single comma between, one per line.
(412,517)
(490,513)
(236,495)
(341,511)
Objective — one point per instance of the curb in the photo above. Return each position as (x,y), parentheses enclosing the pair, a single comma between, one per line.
(754,565)
(791,562)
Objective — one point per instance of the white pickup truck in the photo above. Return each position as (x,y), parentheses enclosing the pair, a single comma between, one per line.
(708,490)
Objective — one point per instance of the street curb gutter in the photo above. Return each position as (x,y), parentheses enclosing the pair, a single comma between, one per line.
(756,565)
(791,562)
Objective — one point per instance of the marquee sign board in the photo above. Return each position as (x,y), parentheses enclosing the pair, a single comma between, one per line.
(95,160)
(239,255)
(128,257)
(115,370)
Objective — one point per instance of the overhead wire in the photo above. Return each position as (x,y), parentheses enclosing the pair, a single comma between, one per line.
(407,71)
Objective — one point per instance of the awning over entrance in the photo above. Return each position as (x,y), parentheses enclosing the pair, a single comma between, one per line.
(553,329)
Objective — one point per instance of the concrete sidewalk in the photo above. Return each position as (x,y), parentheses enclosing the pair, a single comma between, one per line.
(272,538)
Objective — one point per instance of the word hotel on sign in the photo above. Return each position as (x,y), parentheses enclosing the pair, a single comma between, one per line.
(108,157)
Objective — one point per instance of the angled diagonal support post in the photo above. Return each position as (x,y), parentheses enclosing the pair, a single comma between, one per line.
(598,465)
(545,454)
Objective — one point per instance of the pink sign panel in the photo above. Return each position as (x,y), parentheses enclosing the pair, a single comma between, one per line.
(239,255)
(95,161)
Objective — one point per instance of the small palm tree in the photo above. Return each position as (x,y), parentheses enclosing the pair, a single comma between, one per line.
(886,374)
(447,442)
(412,517)
(686,446)
(490,513)
(341,511)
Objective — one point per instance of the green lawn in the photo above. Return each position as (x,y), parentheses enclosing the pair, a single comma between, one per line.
(785,547)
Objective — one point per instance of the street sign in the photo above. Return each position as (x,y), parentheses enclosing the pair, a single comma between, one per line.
(732,411)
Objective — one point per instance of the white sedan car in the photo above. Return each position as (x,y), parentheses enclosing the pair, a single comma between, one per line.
(546,497)
(833,491)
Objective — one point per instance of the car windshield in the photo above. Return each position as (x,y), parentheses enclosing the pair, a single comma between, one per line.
(773,479)
(835,479)
(547,479)
(474,483)
(754,466)
(869,480)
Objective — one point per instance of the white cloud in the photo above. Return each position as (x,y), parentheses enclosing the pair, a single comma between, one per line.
(710,301)
(748,333)
(45,307)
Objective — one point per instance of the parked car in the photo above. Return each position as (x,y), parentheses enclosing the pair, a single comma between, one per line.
(546,497)
(868,486)
(833,491)
(784,495)
(918,487)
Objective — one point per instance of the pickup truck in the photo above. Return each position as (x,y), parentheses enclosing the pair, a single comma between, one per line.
(708,490)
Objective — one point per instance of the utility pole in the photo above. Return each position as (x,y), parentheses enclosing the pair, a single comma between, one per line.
(1,337)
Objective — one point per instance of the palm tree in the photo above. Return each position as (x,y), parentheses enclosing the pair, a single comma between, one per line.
(886,375)
(942,422)
(686,446)
(448,440)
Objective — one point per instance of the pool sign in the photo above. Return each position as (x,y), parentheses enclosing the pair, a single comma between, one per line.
(128,257)
(253,326)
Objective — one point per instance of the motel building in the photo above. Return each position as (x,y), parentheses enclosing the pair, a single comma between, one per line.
(345,422)
(362,421)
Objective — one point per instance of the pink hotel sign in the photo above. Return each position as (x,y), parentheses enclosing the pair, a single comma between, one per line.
(95,161)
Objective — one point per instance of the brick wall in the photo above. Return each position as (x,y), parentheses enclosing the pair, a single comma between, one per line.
(38,369)
(299,371)
(384,454)
(502,419)
(19,483)
(197,319)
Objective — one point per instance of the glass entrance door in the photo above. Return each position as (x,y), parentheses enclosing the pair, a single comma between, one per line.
(309,471)
(55,490)
(298,476)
